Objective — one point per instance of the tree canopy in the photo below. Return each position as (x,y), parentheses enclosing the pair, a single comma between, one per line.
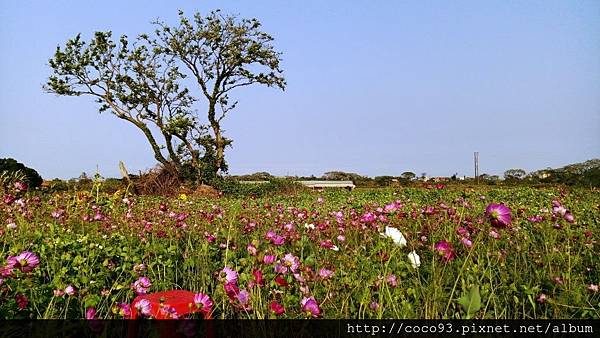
(142,82)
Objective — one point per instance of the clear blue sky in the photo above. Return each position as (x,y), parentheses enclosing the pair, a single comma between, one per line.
(374,87)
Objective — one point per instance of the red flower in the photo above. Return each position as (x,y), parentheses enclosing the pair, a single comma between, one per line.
(281,281)
(22,301)
(258,277)
(276,308)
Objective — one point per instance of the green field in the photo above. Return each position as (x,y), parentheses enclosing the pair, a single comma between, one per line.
(331,256)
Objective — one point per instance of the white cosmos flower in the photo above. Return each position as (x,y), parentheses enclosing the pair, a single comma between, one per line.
(414,259)
(395,235)
(309,226)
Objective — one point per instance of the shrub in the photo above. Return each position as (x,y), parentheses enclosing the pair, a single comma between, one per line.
(232,187)
(10,166)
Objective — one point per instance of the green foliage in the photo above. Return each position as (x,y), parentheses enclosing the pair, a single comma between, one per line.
(9,166)
(384,181)
(578,174)
(471,301)
(495,278)
(514,174)
(233,187)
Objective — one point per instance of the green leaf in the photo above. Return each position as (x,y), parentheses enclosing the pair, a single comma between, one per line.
(471,301)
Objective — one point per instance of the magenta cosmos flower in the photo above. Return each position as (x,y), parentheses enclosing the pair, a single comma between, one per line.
(142,285)
(26,261)
(499,215)
(310,307)
(269,259)
(22,301)
(123,309)
(203,303)
(444,249)
(90,313)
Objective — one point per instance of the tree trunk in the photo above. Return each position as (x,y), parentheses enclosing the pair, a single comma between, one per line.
(219,143)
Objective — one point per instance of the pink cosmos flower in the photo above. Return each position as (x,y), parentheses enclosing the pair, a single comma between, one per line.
(392,280)
(230,276)
(559,210)
(310,307)
(289,227)
(569,217)
(270,235)
(535,219)
(389,208)
(542,298)
(169,312)
(304,289)
(269,259)
(593,288)
(70,290)
(276,308)
(291,262)
(325,273)
(142,285)
(20,186)
(368,218)
(444,249)
(278,240)
(462,231)
(27,261)
(466,242)
(143,307)
(251,249)
(244,298)
(209,237)
(494,234)
(558,280)
(57,213)
(203,303)
(498,214)
(298,277)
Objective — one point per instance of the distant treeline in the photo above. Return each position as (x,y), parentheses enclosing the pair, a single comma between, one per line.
(579,174)
(586,174)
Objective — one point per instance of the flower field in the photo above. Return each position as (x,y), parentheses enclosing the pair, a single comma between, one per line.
(445,252)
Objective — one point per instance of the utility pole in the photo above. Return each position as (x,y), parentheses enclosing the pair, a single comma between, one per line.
(476,160)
